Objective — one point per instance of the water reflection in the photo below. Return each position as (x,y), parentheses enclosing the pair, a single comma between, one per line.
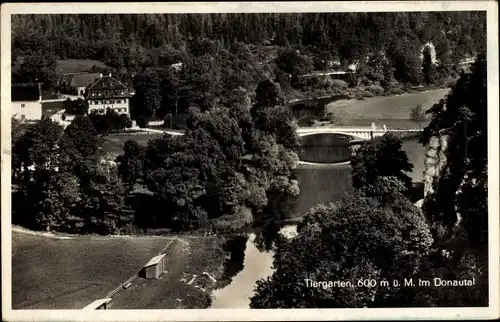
(325,148)
(257,264)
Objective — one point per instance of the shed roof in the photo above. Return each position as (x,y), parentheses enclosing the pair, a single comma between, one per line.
(155,260)
(94,305)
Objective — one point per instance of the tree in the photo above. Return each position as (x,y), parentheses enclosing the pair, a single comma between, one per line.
(169,86)
(131,163)
(293,63)
(404,55)
(428,67)
(77,107)
(43,196)
(147,98)
(100,122)
(35,150)
(47,201)
(80,149)
(381,157)
(103,207)
(201,83)
(268,94)
(37,67)
(358,239)
(417,115)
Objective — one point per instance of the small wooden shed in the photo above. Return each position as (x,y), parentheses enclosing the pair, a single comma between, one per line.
(155,267)
(101,304)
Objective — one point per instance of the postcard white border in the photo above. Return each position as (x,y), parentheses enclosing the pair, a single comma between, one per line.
(246,314)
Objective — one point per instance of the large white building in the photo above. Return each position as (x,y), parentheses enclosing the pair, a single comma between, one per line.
(102,92)
(108,94)
(26,102)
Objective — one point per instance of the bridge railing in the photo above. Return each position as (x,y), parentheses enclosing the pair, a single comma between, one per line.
(358,128)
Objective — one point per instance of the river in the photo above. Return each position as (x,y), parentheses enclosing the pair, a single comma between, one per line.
(322,183)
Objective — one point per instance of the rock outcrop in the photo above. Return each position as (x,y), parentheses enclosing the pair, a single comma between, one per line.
(435,160)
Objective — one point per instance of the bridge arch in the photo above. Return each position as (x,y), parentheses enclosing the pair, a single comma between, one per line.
(363,135)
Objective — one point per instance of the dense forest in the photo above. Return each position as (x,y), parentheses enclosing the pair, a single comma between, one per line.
(115,38)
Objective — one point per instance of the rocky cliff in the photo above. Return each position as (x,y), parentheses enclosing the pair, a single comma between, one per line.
(435,160)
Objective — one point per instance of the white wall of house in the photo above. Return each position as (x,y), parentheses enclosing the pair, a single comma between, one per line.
(27,110)
(120,105)
(80,91)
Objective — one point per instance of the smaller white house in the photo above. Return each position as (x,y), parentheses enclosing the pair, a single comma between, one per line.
(26,102)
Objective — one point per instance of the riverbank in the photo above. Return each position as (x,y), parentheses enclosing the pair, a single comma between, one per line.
(350,109)
(392,111)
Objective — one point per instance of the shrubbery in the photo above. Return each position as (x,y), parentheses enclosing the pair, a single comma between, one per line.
(339,84)
(375,89)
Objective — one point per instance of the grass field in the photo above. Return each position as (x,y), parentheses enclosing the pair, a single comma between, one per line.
(52,273)
(113,144)
(393,111)
(77,65)
(183,286)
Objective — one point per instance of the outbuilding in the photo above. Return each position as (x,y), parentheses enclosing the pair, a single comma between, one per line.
(154,268)
(101,304)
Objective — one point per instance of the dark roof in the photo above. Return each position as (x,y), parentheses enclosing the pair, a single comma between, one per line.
(79,79)
(107,82)
(24,92)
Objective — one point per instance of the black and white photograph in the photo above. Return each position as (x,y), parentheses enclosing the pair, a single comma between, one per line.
(195,157)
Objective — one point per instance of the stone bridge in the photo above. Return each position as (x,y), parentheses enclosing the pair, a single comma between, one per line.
(356,133)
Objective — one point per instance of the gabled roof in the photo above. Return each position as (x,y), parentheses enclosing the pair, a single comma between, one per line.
(25,92)
(155,260)
(79,79)
(107,82)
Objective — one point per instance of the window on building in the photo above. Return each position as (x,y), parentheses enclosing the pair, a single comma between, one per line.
(23,105)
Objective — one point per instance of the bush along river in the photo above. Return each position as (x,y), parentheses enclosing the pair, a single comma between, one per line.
(325,181)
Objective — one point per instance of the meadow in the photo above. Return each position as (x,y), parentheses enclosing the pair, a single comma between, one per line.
(393,111)
(77,65)
(70,272)
(113,143)
(53,273)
